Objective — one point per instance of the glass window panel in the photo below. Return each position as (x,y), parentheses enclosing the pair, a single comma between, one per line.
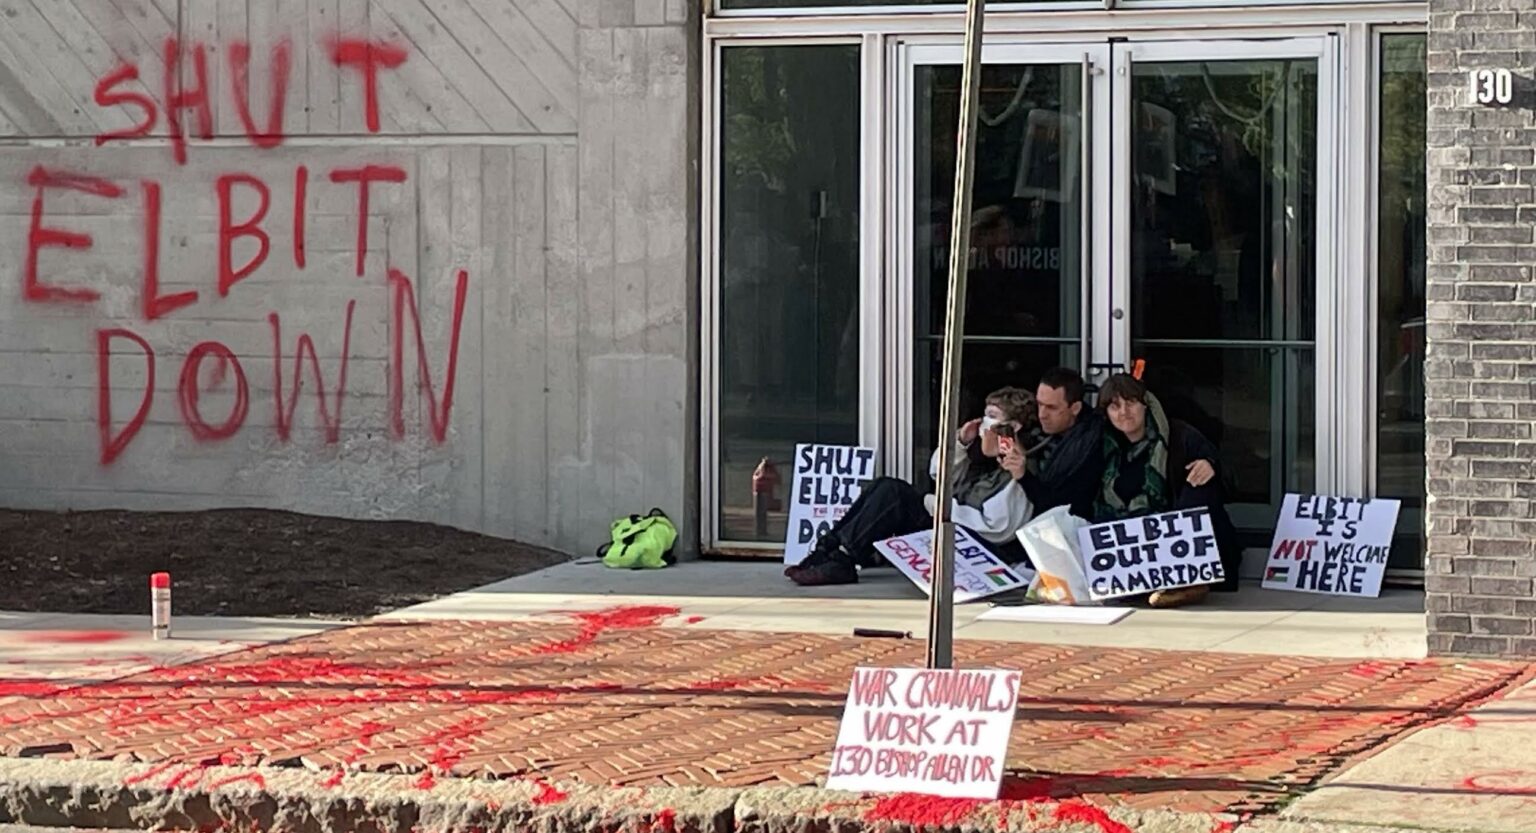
(1223,263)
(1024,293)
(788,348)
(1400,291)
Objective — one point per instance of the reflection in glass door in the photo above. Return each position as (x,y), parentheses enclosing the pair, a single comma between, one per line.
(1160,201)
(1031,254)
(1220,252)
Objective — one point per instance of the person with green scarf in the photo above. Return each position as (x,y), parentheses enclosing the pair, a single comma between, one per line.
(1153,465)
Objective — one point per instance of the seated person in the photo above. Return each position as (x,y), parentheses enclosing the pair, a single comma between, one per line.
(1067,469)
(1153,465)
(988,501)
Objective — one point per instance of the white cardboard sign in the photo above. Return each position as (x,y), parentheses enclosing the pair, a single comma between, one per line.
(978,573)
(1333,545)
(828,479)
(1143,555)
(932,732)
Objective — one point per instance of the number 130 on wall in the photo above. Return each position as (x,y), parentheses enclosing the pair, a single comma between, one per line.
(1492,86)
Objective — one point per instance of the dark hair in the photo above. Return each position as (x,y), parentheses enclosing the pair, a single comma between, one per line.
(1121,387)
(1068,381)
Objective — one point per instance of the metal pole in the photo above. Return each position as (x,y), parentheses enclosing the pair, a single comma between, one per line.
(941,606)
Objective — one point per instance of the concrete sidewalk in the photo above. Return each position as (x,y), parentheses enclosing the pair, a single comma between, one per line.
(72,648)
(1475,773)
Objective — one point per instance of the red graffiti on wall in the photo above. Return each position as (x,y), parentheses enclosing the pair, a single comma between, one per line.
(211,365)
(213,392)
(306,345)
(367,57)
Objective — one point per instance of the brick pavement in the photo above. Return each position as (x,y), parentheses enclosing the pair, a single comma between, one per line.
(607,698)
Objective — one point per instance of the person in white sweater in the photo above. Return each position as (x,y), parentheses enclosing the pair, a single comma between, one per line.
(988,502)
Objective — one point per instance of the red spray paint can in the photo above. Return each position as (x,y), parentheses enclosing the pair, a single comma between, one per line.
(160,604)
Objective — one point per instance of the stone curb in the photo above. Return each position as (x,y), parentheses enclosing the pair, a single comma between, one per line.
(118,796)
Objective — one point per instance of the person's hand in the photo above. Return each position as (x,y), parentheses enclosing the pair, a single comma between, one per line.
(970,431)
(1200,472)
(1013,460)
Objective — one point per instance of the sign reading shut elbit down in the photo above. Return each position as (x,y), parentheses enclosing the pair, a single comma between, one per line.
(932,732)
(1143,555)
(828,479)
(1334,545)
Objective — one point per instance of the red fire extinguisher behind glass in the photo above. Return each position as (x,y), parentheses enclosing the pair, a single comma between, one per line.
(765,486)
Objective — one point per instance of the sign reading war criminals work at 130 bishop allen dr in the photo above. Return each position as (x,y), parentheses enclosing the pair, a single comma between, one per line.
(933,732)
(828,479)
(978,573)
(1334,545)
(1142,555)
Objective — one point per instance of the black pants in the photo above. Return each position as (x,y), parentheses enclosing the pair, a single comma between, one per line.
(1209,498)
(888,508)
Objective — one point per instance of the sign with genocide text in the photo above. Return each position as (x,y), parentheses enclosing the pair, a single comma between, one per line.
(1334,545)
(828,479)
(1143,555)
(978,573)
(932,732)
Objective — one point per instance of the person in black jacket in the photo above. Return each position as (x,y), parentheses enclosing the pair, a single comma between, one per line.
(987,500)
(1153,465)
(1067,468)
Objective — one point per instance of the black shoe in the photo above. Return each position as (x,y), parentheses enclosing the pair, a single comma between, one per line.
(835,571)
(826,550)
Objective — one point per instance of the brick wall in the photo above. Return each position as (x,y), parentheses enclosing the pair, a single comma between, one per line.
(1481,370)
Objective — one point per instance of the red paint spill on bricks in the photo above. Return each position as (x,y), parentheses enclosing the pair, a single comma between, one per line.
(426,781)
(1084,813)
(334,780)
(666,821)
(29,688)
(548,794)
(596,623)
(76,637)
(1371,669)
(1224,827)
(694,620)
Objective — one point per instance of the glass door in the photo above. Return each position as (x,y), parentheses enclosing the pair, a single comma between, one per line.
(1165,202)
(1041,179)
(1223,162)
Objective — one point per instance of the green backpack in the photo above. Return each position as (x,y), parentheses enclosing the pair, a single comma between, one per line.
(640,542)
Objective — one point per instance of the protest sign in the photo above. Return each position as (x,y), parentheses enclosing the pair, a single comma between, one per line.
(1334,545)
(978,573)
(828,479)
(1143,555)
(932,732)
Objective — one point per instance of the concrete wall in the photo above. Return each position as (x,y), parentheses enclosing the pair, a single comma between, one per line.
(1481,370)
(541,147)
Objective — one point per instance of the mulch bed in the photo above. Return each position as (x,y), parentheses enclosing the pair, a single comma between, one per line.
(244,562)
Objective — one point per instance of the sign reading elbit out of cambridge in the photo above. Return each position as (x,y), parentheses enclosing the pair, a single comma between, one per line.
(828,479)
(1143,555)
(1334,545)
(932,732)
